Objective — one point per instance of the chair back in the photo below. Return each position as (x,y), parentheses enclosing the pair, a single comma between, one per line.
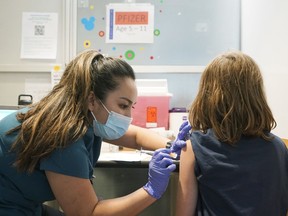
(285,141)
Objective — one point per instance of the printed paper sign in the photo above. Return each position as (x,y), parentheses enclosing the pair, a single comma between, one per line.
(130,23)
(39,35)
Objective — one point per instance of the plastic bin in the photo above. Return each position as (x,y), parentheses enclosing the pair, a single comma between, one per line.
(152,107)
(151,111)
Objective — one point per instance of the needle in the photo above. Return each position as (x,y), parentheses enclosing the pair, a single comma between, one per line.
(148,152)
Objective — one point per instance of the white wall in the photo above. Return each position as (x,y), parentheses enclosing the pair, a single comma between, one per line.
(265,38)
(13,84)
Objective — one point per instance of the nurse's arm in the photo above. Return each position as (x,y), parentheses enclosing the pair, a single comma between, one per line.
(76,196)
(137,138)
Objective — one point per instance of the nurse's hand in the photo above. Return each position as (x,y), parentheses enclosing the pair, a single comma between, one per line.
(181,138)
(160,168)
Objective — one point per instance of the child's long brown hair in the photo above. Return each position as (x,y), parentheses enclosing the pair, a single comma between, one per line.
(231,100)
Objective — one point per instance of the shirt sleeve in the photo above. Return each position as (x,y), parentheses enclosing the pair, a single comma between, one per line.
(72,160)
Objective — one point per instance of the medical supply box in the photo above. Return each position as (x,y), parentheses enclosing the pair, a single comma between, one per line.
(152,107)
(177,116)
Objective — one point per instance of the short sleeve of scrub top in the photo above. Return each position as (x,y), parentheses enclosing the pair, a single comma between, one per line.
(77,159)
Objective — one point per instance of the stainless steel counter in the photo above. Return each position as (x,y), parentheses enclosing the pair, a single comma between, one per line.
(120,181)
(115,178)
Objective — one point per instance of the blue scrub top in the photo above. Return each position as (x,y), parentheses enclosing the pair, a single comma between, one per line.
(23,193)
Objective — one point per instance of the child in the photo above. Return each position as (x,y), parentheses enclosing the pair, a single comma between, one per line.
(232,164)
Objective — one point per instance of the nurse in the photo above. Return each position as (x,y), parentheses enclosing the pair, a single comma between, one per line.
(48,150)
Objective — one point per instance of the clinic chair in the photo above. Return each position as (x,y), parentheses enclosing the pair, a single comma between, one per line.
(285,141)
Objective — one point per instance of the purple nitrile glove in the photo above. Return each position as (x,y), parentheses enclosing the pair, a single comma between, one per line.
(181,138)
(160,168)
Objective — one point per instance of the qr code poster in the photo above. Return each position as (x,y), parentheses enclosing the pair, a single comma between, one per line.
(39,35)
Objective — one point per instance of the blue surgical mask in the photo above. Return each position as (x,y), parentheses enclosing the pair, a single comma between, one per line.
(115,126)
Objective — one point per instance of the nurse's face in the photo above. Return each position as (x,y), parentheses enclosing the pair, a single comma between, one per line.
(120,101)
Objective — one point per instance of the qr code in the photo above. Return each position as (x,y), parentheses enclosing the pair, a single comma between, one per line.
(39,30)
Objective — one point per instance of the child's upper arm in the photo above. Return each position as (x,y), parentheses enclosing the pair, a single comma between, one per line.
(187,186)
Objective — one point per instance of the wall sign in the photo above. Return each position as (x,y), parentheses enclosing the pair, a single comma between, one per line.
(129,23)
